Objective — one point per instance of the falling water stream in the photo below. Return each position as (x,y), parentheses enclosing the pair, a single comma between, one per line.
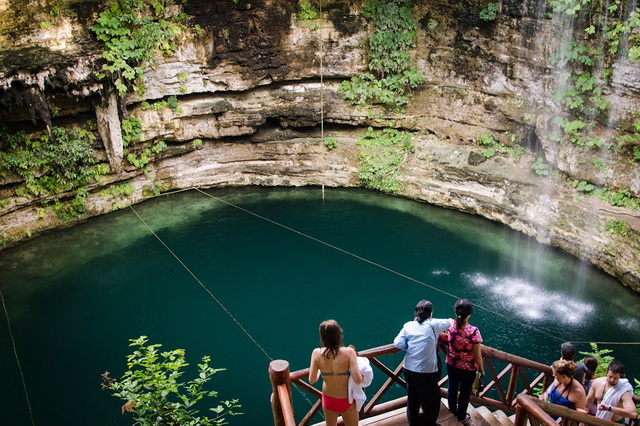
(278,264)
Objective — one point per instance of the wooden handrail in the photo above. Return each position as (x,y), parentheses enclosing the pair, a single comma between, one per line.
(515,370)
(529,405)
(541,411)
(287,407)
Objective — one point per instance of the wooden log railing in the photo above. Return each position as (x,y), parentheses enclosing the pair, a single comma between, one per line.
(536,412)
(523,376)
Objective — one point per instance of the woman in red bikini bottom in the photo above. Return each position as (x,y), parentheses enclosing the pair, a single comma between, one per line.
(335,363)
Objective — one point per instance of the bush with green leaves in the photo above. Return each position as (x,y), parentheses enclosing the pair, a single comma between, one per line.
(49,163)
(153,392)
(603,356)
(133,31)
(392,74)
(381,156)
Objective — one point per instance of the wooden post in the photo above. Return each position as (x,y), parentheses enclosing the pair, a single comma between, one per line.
(279,375)
(513,382)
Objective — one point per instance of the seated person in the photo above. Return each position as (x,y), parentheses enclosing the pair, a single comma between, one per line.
(565,390)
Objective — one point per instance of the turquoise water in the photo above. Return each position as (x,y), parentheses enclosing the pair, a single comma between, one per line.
(75,297)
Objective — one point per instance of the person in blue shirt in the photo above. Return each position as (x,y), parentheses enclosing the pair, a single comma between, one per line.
(419,339)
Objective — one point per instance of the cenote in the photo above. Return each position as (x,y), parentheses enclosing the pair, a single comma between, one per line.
(278,261)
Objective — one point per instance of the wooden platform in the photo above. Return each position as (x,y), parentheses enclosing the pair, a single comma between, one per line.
(399,418)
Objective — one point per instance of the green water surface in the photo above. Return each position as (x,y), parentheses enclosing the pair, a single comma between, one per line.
(277,263)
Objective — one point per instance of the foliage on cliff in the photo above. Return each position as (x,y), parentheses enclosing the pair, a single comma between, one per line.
(381,157)
(393,74)
(133,31)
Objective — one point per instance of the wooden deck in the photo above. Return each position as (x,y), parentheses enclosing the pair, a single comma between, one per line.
(399,418)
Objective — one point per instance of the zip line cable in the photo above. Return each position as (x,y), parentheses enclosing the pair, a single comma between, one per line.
(15,352)
(204,287)
(213,297)
(399,273)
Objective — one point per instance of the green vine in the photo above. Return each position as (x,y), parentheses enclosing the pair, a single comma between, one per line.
(381,157)
(133,31)
(393,74)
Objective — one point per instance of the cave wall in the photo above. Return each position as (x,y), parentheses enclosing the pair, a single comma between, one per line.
(249,86)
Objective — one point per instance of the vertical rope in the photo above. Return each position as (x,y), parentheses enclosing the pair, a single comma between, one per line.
(15,353)
(322,104)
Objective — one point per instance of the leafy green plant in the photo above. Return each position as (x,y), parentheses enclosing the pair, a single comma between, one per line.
(602,356)
(125,189)
(153,393)
(197,143)
(330,142)
(540,167)
(490,12)
(131,130)
(583,186)
(72,209)
(50,163)
(392,73)
(171,102)
(381,157)
(307,11)
(133,31)
(616,227)
(493,147)
(146,155)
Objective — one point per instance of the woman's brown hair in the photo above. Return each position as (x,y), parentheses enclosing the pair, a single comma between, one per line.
(564,367)
(330,338)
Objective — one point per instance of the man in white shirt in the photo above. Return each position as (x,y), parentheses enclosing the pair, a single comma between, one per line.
(419,338)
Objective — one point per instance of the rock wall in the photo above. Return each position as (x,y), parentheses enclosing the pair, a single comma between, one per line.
(258,86)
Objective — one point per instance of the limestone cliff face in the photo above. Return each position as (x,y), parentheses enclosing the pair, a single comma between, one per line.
(256,83)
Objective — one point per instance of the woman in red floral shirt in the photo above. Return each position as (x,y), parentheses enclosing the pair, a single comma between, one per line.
(463,359)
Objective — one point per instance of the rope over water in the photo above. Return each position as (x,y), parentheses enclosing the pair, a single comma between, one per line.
(204,287)
(523,324)
(15,353)
(224,308)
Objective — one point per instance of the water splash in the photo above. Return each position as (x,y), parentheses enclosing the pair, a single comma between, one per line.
(526,299)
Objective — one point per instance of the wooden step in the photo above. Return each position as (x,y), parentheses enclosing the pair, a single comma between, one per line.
(488,416)
(503,418)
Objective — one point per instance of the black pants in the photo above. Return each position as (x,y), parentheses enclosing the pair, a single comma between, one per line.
(422,391)
(461,380)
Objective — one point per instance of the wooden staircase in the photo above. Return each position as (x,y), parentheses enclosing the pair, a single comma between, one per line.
(482,416)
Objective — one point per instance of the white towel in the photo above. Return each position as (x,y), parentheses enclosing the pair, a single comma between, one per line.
(356,390)
(613,397)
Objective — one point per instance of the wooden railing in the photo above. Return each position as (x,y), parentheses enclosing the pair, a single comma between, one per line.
(522,374)
(535,412)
